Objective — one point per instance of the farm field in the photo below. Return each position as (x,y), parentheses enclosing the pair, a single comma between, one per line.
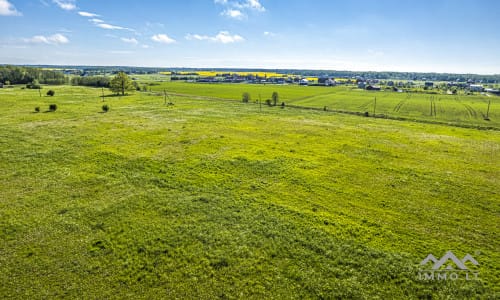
(216,199)
(454,109)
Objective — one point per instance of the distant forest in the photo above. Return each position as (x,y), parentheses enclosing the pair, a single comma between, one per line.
(47,74)
(25,75)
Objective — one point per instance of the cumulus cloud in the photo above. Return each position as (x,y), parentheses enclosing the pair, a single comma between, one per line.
(7,9)
(255,5)
(237,9)
(162,38)
(130,41)
(65,4)
(87,14)
(223,37)
(233,13)
(55,39)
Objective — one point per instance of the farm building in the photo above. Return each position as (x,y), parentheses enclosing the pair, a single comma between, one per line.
(493,91)
(476,88)
(304,82)
(373,88)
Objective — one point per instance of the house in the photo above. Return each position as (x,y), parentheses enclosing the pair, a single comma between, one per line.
(330,82)
(303,82)
(361,85)
(476,88)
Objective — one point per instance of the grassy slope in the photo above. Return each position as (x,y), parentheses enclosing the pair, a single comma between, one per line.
(216,200)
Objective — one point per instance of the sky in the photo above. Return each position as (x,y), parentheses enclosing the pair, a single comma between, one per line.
(453,36)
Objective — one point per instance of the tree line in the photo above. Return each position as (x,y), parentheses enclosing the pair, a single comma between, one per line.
(27,75)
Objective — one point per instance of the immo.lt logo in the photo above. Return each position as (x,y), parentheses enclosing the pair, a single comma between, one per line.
(448,267)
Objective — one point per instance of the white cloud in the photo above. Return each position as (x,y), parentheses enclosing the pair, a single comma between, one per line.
(94,20)
(223,37)
(130,41)
(87,14)
(65,4)
(162,38)
(254,5)
(233,13)
(269,34)
(55,39)
(109,26)
(7,9)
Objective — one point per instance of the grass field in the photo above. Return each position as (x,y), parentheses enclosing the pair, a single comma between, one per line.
(460,110)
(214,199)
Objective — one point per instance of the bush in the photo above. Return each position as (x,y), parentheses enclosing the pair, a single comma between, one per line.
(34,85)
(246,97)
(52,107)
(51,93)
(105,108)
(37,109)
(268,102)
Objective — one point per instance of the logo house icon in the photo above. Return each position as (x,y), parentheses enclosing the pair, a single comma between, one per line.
(448,267)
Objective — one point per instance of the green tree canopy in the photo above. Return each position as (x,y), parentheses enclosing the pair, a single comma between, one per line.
(121,83)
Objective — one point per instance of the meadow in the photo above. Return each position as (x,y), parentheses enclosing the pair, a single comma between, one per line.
(461,110)
(215,199)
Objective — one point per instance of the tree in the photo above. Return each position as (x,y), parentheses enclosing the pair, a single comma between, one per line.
(51,93)
(276,98)
(121,83)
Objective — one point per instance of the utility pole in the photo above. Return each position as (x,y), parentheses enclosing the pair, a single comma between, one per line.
(102,94)
(374,106)
(260,103)
(488,110)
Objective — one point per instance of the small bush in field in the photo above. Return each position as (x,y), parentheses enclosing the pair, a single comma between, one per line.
(105,108)
(51,93)
(52,107)
(37,109)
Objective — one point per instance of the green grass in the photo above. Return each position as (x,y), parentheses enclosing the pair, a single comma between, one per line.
(218,200)
(459,110)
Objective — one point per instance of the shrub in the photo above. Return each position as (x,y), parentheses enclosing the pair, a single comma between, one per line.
(105,108)
(37,109)
(34,85)
(52,107)
(245,97)
(51,93)
(268,102)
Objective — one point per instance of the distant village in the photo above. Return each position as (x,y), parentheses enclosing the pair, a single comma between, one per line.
(362,83)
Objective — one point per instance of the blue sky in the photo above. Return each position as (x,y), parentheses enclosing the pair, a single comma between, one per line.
(455,36)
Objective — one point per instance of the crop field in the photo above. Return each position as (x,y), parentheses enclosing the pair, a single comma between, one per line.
(215,199)
(469,110)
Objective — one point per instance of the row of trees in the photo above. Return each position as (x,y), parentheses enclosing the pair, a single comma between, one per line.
(25,75)
(95,81)
(275,97)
